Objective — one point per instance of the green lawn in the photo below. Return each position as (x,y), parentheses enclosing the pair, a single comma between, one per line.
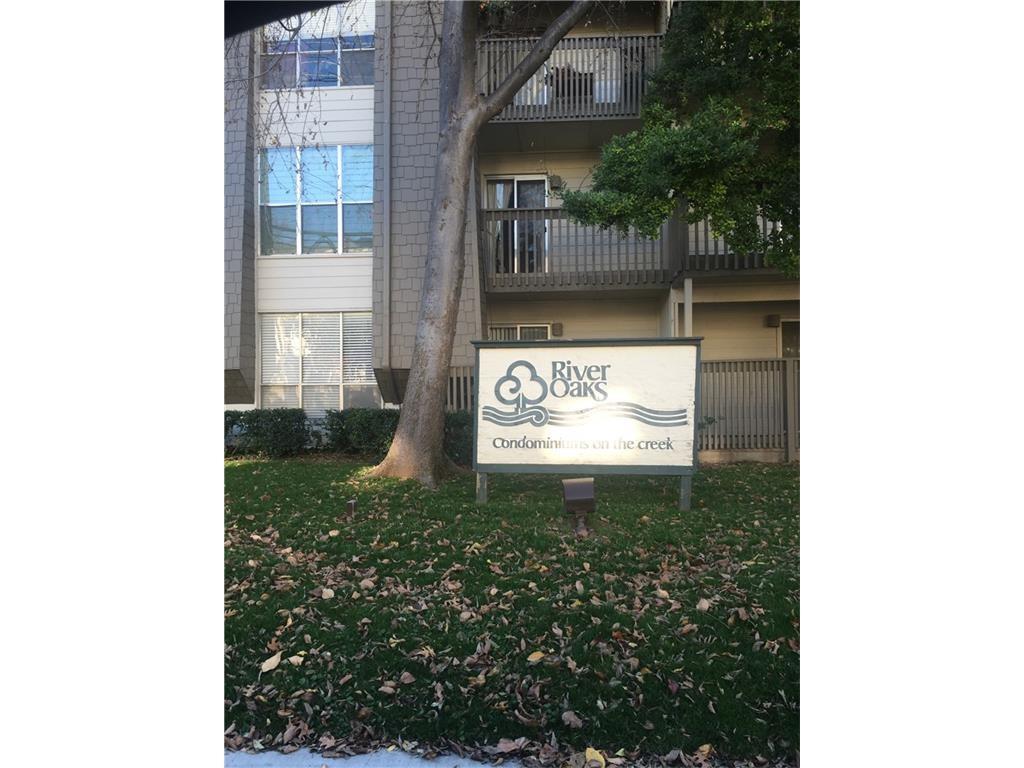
(454,623)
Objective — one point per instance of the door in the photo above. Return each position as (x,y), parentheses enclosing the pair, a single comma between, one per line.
(518,242)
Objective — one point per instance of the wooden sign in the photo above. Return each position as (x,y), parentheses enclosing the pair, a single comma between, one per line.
(601,406)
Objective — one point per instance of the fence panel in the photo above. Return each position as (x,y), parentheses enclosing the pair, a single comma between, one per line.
(459,396)
(743,404)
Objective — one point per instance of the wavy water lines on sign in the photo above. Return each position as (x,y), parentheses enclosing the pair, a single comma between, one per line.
(539,416)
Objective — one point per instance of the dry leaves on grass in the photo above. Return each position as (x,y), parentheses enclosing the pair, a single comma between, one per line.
(571,719)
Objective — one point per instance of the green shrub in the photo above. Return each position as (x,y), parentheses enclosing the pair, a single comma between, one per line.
(458,437)
(369,431)
(364,431)
(271,431)
(232,419)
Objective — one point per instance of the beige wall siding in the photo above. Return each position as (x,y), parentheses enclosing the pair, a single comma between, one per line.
(719,292)
(313,284)
(737,331)
(326,116)
(573,167)
(583,318)
(317,116)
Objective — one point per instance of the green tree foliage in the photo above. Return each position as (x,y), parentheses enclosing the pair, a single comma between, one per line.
(721,129)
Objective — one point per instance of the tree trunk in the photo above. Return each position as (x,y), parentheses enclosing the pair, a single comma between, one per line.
(417,451)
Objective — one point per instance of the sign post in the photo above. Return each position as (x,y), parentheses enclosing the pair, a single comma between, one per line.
(599,406)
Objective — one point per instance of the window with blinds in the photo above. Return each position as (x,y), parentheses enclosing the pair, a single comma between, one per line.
(317,361)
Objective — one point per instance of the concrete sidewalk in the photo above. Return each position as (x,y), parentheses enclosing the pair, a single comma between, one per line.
(303,758)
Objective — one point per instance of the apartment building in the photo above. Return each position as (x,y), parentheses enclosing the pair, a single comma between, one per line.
(299,212)
(321,310)
(530,272)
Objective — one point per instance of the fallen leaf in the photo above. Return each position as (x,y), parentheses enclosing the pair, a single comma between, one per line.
(366,584)
(689,628)
(333,532)
(506,746)
(703,604)
(406,678)
(271,663)
(571,719)
(536,656)
(386,689)
(345,679)
(592,755)
(327,593)
(295,660)
(704,750)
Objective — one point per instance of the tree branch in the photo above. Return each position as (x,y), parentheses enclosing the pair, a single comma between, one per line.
(540,52)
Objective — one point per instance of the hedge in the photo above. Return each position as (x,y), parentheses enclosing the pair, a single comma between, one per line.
(271,431)
(366,432)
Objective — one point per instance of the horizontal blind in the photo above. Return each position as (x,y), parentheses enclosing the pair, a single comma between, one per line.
(321,349)
(279,397)
(316,400)
(357,365)
(279,349)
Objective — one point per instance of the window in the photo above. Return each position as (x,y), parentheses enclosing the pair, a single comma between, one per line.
(519,242)
(790,334)
(305,202)
(317,361)
(291,59)
(519,332)
(356,60)
(357,197)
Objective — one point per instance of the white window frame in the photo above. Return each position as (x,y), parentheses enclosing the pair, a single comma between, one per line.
(339,205)
(519,329)
(297,40)
(341,358)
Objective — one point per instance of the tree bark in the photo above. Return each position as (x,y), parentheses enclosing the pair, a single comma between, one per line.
(417,451)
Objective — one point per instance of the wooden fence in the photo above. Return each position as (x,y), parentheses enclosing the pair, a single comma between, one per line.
(747,406)
(750,405)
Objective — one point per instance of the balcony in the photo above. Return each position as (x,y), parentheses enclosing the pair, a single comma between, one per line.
(541,248)
(585,78)
(707,254)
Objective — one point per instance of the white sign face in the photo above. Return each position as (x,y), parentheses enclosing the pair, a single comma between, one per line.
(556,406)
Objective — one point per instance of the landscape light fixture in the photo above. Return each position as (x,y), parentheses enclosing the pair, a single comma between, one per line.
(578,500)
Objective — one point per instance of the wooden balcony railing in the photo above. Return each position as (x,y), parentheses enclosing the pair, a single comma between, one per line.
(584,78)
(543,248)
(707,253)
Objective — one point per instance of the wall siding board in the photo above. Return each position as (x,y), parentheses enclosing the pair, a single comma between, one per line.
(324,116)
(329,284)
